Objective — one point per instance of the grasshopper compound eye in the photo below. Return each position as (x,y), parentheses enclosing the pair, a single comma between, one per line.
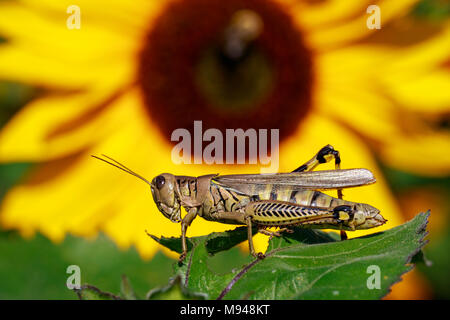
(160,181)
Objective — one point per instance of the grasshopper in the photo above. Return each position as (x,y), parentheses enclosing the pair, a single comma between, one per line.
(281,200)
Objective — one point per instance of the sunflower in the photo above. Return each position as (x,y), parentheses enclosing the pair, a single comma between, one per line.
(134,72)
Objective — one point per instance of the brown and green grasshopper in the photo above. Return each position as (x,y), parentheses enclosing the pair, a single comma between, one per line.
(279,200)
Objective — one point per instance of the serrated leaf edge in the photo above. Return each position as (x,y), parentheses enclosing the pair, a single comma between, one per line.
(420,229)
(93,288)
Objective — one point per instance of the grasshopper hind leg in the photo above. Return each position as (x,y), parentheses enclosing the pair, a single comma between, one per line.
(324,155)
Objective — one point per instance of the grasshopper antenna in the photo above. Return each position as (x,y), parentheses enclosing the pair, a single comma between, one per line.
(122,167)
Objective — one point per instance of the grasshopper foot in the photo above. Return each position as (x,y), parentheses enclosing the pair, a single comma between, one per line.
(182,257)
(259,255)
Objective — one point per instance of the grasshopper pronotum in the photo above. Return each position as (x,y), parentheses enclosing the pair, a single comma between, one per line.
(267,200)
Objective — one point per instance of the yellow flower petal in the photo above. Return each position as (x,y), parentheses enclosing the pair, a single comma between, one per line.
(44,52)
(421,56)
(428,92)
(354,27)
(21,65)
(54,193)
(418,78)
(119,16)
(426,153)
(52,37)
(72,194)
(356,98)
(351,96)
(319,14)
(56,126)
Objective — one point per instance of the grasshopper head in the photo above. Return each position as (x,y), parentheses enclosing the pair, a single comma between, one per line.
(366,217)
(163,190)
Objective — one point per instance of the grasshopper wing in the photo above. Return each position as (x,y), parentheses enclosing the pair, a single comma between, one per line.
(252,184)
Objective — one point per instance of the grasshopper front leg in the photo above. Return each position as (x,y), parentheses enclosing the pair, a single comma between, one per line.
(186,222)
(258,255)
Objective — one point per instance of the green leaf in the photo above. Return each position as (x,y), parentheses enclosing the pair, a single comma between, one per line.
(437,10)
(175,290)
(88,292)
(306,264)
(36,268)
(172,243)
(216,241)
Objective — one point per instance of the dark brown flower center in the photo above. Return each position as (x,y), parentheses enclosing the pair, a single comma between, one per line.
(231,64)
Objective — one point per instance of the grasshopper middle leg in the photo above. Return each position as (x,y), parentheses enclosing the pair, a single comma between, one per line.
(276,233)
(239,218)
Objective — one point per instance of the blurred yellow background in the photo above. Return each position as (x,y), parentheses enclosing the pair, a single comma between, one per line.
(78,78)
